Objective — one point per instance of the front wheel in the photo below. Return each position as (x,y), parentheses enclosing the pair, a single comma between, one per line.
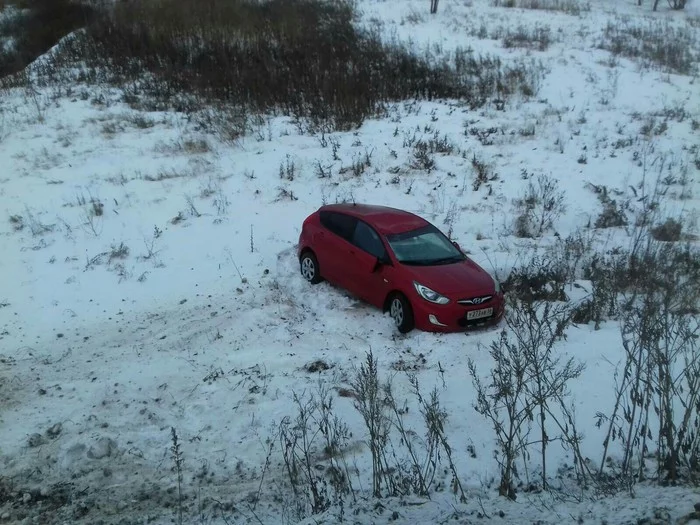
(401,312)
(309,268)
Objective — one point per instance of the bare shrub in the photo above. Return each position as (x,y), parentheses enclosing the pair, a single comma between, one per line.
(484,135)
(529,385)
(537,327)
(17,222)
(286,194)
(668,231)
(97,209)
(661,372)
(313,446)
(539,37)
(308,60)
(606,272)
(539,208)
(112,127)
(571,7)
(504,402)
(676,5)
(336,437)
(166,174)
(422,468)
(256,58)
(527,130)
(195,146)
(435,419)
(437,144)
(414,17)
(673,48)
(483,173)
(422,157)
(544,276)
(369,402)
(288,169)
(140,121)
(36,226)
(491,77)
(537,280)
(191,206)
(151,243)
(361,162)
(95,260)
(323,171)
(221,202)
(417,474)
(92,217)
(178,460)
(613,214)
(118,251)
(299,445)
(393,474)
(656,412)
(228,122)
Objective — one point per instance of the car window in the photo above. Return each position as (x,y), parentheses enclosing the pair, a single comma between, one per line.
(425,246)
(368,240)
(339,223)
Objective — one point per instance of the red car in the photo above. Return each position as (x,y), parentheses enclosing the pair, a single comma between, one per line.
(400,263)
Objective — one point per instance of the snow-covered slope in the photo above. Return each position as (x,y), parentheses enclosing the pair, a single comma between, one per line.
(148,278)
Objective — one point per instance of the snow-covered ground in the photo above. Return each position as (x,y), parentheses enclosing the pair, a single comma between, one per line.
(148,280)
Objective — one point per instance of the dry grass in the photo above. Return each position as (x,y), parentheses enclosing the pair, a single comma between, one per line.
(570,7)
(305,59)
(673,48)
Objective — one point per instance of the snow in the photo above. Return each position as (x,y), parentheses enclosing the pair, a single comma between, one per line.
(205,325)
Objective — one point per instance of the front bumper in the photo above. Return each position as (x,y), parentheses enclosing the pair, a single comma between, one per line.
(452,317)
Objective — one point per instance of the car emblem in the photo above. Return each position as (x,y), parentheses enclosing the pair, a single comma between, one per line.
(476,300)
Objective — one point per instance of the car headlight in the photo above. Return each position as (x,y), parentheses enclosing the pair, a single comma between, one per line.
(430,295)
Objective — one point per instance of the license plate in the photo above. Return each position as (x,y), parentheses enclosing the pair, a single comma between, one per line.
(478,314)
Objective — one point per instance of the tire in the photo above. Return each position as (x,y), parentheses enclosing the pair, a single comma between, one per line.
(401,312)
(308,265)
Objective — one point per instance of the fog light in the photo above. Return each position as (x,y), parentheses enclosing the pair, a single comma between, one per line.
(434,320)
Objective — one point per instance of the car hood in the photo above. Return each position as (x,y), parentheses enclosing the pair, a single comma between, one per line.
(465,278)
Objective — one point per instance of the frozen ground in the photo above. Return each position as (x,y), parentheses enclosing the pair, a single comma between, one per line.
(149,280)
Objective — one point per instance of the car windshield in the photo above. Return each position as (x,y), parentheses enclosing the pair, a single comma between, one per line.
(426,246)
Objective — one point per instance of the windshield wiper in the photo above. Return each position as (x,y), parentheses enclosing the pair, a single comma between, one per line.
(417,262)
(446,260)
(433,262)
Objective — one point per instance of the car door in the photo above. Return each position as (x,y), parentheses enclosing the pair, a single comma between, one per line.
(332,244)
(369,264)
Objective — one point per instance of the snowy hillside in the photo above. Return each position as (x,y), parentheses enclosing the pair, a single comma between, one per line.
(154,325)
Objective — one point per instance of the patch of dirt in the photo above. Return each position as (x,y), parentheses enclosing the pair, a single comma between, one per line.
(318,365)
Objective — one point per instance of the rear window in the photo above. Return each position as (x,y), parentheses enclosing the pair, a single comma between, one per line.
(367,239)
(338,223)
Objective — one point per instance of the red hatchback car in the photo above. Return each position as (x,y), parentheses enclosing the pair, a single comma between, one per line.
(400,263)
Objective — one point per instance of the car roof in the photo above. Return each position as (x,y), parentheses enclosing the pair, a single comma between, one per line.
(386,220)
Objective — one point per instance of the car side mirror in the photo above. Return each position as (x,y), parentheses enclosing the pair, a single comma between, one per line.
(456,245)
(380,261)
(373,265)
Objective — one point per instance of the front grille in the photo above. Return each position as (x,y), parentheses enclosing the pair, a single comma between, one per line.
(476,300)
